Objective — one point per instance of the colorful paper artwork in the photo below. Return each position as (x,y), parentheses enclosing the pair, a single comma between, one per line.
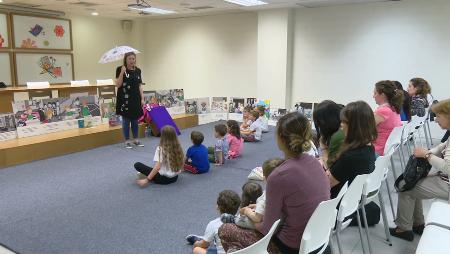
(305,108)
(251,102)
(59,31)
(198,106)
(28,113)
(219,105)
(28,43)
(36,30)
(2,40)
(236,105)
(48,66)
(7,127)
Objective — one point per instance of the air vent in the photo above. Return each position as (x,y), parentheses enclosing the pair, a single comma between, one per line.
(85,4)
(201,8)
(19,4)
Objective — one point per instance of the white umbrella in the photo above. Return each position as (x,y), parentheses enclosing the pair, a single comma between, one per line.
(116,54)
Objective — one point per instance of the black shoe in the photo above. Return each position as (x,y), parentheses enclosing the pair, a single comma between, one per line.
(418,229)
(405,235)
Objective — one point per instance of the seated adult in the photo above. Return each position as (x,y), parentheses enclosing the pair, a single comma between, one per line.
(405,113)
(293,191)
(357,154)
(387,116)
(409,208)
(327,121)
(419,89)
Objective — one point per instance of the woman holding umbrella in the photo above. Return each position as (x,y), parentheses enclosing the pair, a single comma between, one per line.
(130,98)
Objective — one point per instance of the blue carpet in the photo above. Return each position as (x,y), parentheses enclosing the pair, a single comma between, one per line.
(88,202)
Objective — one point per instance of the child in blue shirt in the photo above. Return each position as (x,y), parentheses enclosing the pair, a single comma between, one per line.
(197,155)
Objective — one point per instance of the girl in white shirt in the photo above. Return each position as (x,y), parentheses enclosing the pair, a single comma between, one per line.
(169,161)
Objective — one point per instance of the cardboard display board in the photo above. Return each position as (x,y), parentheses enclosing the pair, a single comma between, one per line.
(172,100)
(38,117)
(219,108)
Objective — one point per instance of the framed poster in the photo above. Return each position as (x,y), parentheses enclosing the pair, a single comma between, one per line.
(6,63)
(56,68)
(4,31)
(7,127)
(36,32)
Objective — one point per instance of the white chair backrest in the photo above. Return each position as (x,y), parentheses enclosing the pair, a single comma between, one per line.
(407,130)
(260,247)
(319,227)
(395,139)
(105,82)
(38,85)
(375,178)
(79,82)
(351,199)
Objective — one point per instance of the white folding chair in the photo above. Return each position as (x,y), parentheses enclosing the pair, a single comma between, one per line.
(392,145)
(371,191)
(433,240)
(348,206)
(260,247)
(438,215)
(317,233)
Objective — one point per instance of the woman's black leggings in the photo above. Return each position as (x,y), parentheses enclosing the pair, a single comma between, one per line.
(158,179)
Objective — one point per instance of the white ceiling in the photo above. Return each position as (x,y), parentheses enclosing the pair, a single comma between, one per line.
(118,8)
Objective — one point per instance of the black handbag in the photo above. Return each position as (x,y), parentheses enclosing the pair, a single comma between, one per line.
(416,169)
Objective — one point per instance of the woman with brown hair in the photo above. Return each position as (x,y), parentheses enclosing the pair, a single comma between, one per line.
(409,209)
(357,154)
(387,116)
(293,191)
(130,97)
(419,89)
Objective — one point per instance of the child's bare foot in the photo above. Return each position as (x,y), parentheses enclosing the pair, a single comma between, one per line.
(142,182)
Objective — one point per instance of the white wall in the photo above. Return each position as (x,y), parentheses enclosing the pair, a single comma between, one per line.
(93,36)
(274,56)
(341,52)
(206,56)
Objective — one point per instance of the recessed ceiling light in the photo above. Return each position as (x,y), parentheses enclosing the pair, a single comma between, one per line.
(246,2)
(94,13)
(151,10)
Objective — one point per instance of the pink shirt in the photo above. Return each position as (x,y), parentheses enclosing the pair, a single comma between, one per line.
(235,146)
(384,129)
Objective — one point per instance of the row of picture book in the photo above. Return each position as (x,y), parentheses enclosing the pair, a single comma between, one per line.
(42,116)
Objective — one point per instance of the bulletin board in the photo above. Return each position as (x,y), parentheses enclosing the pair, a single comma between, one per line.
(6,74)
(37,33)
(56,68)
(4,31)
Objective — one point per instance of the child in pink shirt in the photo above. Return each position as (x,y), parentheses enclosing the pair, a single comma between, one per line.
(235,141)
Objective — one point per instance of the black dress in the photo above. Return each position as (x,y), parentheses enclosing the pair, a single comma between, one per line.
(128,95)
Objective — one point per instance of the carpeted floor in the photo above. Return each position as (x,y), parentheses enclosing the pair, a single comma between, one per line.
(88,202)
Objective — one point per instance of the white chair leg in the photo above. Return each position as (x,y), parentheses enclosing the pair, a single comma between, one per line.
(427,140)
(390,198)
(429,131)
(393,168)
(360,232)
(385,221)
(338,237)
(366,226)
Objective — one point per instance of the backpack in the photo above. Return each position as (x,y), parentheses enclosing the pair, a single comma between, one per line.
(416,169)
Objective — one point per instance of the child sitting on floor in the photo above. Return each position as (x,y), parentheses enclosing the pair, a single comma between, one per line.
(227,203)
(168,161)
(264,120)
(253,200)
(235,141)
(219,153)
(254,133)
(246,122)
(196,160)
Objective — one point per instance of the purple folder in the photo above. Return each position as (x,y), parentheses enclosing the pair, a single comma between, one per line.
(160,117)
